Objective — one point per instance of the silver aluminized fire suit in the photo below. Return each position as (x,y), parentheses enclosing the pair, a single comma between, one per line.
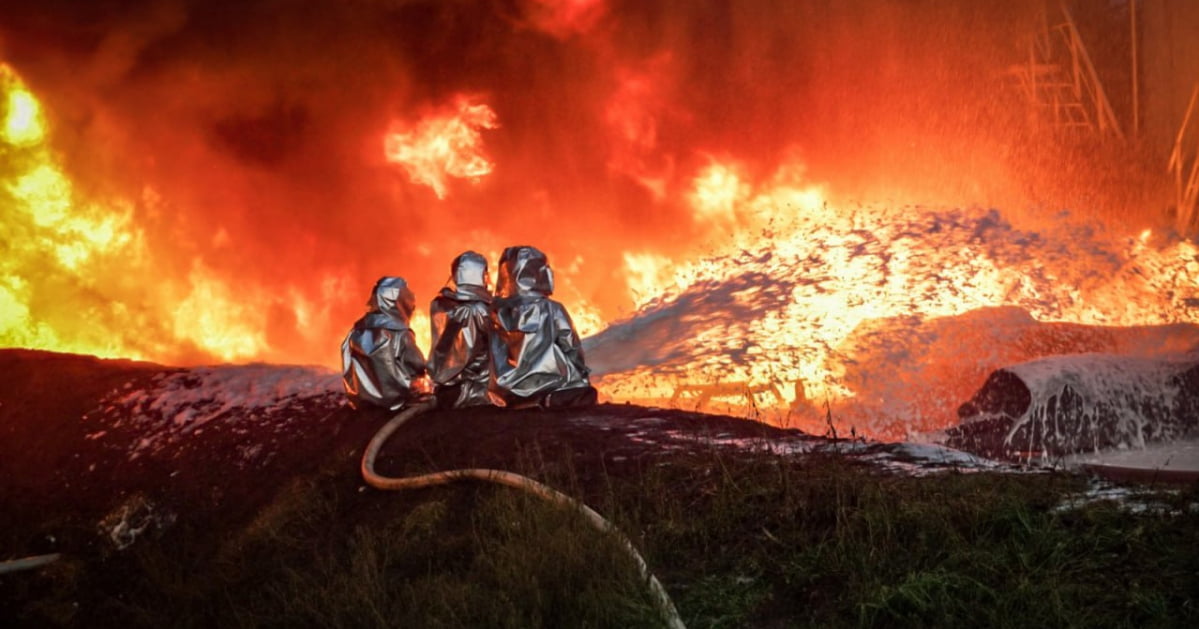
(535,349)
(381,364)
(460,318)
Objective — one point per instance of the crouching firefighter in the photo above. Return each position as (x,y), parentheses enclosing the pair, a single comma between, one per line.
(381,364)
(460,318)
(537,358)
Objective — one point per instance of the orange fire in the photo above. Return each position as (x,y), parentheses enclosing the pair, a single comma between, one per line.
(563,18)
(447,144)
(51,235)
(770,167)
(93,260)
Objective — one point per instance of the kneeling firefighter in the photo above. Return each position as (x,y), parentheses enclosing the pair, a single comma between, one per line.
(381,364)
(537,358)
(460,318)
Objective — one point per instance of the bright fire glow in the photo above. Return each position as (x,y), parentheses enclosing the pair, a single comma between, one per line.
(783,312)
(227,325)
(632,114)
(419,322)
(762,195)
(716,194)
(444,145)
(586,318)
(23,122)
(93,260)
(51,236)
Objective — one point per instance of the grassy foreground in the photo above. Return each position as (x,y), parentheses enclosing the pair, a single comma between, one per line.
(738,541)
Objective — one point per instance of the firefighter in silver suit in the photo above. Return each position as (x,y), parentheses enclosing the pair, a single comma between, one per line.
(380,362)
(537,358)
(460,317)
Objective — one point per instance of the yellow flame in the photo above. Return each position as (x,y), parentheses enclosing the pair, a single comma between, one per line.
(71,279)
(23,123)
(16,324)
(421,327)
(646,274)
(717,192)
(442,146)
(45,193)
(51,238)
(586,318)
(222,323)
(74,231)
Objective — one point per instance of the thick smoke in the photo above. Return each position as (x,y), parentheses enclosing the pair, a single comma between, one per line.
(249,134)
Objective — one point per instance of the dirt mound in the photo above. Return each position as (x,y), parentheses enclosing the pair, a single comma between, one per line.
(97,452)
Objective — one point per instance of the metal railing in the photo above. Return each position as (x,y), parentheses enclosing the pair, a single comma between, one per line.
(1061,82)
(1184,166)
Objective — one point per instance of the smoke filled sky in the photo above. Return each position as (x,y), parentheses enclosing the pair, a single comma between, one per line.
(245,142)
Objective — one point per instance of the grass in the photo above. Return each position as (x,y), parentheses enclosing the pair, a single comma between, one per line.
(738,541)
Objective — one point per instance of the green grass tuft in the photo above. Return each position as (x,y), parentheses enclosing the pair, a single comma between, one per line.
(738,541)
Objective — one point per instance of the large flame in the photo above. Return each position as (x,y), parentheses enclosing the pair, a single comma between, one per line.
(775,182)
(92,262)
(444,145)
(51,236)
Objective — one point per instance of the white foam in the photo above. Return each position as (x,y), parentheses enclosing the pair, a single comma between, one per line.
(181,403)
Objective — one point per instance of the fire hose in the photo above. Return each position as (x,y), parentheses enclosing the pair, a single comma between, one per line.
(662,599)
(665,605)
(28,563)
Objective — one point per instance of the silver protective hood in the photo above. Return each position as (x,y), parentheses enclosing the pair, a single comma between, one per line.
(460,320)
(535,349)
(392,297)
(469,269)
(380,361)
(524,271)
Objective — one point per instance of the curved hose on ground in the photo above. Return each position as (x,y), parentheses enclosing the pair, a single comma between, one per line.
(665,605)
(28,563)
